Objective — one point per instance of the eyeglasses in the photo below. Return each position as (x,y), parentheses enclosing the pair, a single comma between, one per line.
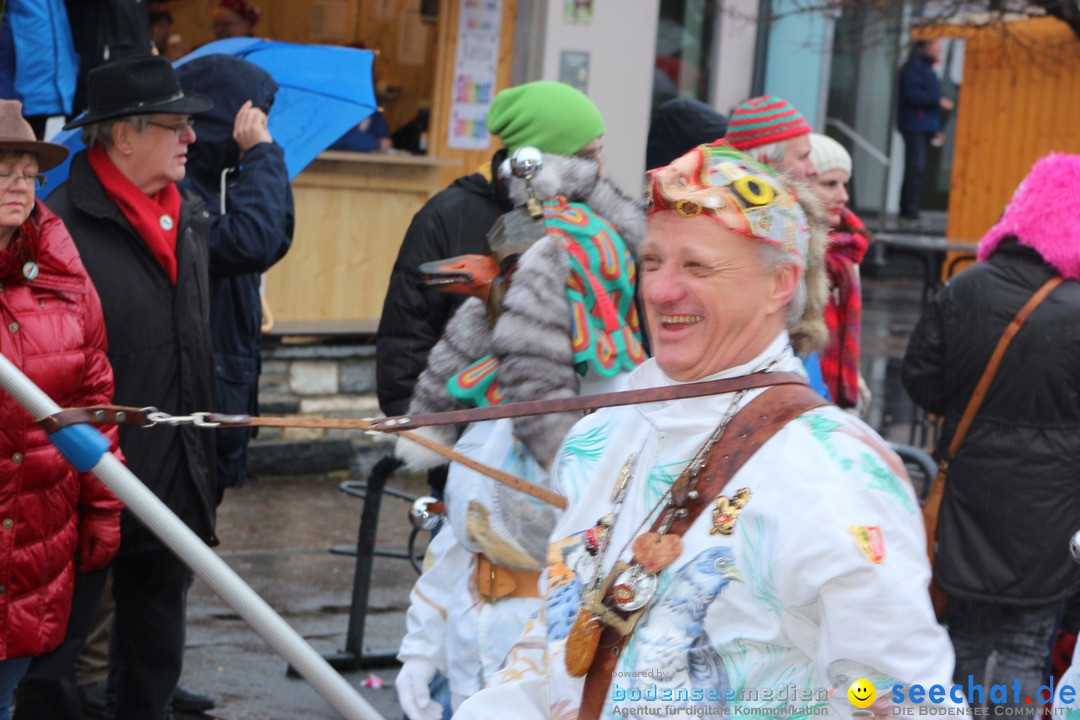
(9,178)
(593,155)
(177,129)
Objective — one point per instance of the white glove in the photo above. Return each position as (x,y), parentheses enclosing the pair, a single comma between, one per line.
(412,690)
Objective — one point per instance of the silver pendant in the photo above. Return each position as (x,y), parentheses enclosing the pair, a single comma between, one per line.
(633,588)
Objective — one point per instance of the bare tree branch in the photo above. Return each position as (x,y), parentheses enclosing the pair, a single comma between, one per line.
(931,12)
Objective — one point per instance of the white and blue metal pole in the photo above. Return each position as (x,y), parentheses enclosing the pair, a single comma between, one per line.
(88,450)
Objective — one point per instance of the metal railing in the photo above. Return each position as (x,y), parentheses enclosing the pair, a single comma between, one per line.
(869,148)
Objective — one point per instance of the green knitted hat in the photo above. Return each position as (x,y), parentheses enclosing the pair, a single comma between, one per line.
(550,116)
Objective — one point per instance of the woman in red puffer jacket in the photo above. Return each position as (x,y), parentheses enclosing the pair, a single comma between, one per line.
(53,520)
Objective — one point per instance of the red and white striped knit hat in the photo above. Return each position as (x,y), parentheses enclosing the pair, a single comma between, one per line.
(764,120)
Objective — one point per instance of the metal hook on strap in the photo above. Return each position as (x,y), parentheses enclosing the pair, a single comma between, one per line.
(198,419)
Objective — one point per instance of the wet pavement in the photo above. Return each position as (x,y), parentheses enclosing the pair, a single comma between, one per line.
(276,532)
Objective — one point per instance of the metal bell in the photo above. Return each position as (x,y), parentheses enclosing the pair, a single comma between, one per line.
(421,517)
(526,162)
(1074,546)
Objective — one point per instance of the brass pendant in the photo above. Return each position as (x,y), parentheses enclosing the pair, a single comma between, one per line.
(633,589)
(727,512)
(581,643)
(595,604)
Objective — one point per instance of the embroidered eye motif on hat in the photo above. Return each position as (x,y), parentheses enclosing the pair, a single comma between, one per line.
(753,192)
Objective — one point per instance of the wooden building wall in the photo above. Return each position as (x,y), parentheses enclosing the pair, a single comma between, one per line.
(405,42)
(1019,100)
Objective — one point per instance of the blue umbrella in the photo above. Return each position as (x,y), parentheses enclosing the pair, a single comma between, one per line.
(323,90)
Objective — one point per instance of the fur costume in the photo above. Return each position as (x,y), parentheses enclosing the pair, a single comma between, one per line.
(566,324)
(531,337)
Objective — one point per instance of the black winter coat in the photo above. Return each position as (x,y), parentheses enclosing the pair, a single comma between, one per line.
(918,109)
(159,345)
(1012,500)
(105,30)
(247,240)
(454,222)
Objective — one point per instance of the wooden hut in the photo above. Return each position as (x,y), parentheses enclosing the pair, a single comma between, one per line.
(1019,100)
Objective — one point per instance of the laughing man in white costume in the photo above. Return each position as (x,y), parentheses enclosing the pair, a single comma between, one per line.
(807,570)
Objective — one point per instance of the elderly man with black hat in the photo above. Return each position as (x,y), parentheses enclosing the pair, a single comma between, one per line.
(143,241)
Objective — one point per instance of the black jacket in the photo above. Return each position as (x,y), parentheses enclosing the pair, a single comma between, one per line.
(254,233)
(677,127)
(105,30)
(1012,500)
(454,222)
(159,345)
(918,109)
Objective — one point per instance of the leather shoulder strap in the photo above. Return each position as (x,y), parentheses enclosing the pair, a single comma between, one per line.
(745,434)
(987,376)
(751,428)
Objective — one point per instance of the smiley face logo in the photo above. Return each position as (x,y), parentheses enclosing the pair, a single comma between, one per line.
(862,693)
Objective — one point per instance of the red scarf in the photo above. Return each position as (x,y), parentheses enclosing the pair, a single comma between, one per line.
(144,212)
(843,312)
(22,249)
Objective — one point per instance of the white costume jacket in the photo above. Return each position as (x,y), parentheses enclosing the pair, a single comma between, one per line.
(822,581)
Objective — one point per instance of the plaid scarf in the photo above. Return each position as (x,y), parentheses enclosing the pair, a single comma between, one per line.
(843,312)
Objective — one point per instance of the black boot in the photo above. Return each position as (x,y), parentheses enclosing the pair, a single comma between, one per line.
(186,701)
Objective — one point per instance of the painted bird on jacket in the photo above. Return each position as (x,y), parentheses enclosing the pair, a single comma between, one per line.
(672,635)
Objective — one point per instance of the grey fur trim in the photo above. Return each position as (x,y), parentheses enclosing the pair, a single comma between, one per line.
(532,342)
(573,177)
(620,210)
(578,180)
(810,333)
(466,339)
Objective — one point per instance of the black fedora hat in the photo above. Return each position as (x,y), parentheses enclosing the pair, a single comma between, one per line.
(140,85)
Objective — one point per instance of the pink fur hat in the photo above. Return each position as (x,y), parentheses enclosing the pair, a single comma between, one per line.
(1044,214)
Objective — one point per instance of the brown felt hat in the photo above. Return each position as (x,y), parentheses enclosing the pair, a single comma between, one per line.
(16,134)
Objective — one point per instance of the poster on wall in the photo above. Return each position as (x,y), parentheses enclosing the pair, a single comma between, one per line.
(577,12)
(475,65)
(574,69)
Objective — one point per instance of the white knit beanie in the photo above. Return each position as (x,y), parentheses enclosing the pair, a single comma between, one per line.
(827,154)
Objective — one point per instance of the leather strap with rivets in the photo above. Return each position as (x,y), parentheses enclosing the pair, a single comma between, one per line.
(745,434)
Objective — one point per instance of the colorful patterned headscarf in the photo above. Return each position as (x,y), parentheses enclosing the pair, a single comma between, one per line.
(735,190)
(751,199)
(605,333)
